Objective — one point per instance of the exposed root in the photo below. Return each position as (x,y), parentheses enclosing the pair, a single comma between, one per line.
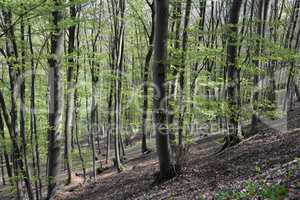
(230,141)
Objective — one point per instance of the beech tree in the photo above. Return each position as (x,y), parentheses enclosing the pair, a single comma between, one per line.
(70,95)
(233,75)
(145,77)
(166,157)
(55,98)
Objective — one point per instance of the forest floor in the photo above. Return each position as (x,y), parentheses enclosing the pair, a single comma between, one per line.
(271,157)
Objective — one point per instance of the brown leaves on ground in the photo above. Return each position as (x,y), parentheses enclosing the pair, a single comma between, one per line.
(204,172)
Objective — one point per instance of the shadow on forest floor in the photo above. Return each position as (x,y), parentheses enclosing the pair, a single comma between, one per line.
(204,172)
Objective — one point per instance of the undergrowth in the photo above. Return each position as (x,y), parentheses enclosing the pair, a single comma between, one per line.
(254,190)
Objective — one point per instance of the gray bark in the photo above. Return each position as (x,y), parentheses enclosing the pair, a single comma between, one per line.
(56,100)
(70,97)
(164,151)
(233,75)
(145,81)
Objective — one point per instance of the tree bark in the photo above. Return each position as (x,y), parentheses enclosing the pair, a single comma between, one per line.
(23,112)
(56,99)
(182,72)
(2,168)
(16,149)
(33,125)
(145,81)
(70,96)
(165,155)
(12,56)
(4,149)
(233,76)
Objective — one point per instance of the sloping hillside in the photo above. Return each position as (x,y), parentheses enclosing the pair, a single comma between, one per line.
(271,158)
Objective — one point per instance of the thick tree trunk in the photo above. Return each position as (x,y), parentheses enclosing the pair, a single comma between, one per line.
(166,157)
(56,99)
(233,76)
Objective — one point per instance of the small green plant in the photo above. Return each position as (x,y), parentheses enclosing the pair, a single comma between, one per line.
(253,190)
(258,169)
(189,140)
(275,192)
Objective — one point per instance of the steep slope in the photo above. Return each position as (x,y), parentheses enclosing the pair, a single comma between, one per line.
(205,173)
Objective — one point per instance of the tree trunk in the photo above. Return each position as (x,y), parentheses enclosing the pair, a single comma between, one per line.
(23,113)
(145,81)
(93,126)
(33,128)
(12,55)
(108,131)
(2,168)
(56,99)
(77,106)
(118,58)
(233,76)
(182,71)
(16,149)
(261,24)
(4,149)
(166,158)
(175,57)
(70,97)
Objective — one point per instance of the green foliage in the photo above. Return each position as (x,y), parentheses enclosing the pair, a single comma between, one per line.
(254,190)
(188,140)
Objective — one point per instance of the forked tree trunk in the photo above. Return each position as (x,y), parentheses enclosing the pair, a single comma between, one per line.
(12,56)
(118,28)
(16,148)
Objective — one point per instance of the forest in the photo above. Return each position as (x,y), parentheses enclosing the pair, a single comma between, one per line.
(149,99)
